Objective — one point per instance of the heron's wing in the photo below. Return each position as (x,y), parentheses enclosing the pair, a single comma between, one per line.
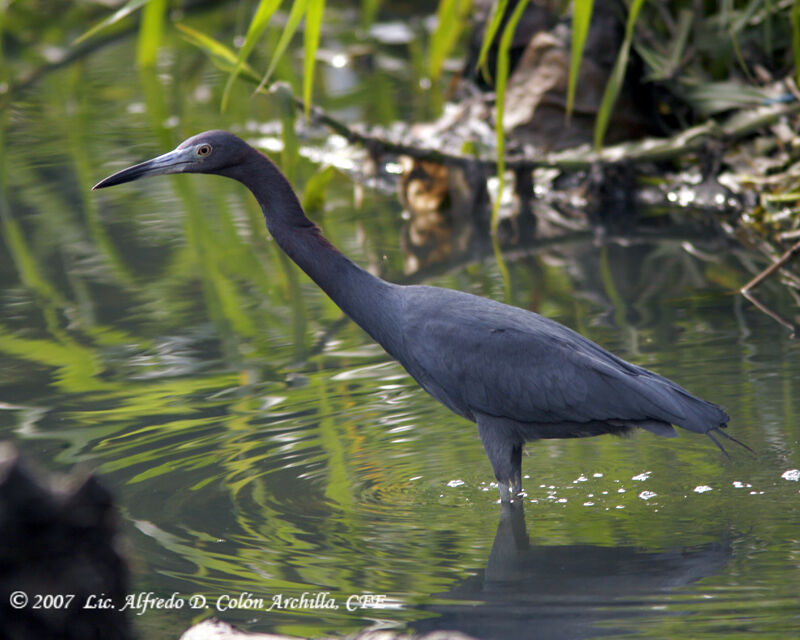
(475,354)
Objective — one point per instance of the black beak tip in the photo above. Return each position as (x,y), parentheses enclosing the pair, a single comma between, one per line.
(116,178)
(105,182)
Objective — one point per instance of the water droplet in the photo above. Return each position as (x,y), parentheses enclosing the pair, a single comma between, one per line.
(792,475)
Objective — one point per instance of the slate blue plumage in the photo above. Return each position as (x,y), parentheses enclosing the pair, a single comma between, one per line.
(518,375)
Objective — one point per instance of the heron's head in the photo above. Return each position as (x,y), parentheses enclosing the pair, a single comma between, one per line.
(207,152)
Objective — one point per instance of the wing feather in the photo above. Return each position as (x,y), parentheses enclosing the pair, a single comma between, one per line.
(477,355)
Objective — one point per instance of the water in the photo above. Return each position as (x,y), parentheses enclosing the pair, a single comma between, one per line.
(260,448)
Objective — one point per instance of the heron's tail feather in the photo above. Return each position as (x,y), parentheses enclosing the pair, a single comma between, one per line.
(710,433)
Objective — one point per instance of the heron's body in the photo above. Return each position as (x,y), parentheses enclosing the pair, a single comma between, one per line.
(518,375)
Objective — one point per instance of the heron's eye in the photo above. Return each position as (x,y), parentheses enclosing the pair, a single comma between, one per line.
(203,150)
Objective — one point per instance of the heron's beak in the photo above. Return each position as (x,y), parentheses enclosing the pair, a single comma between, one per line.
(176,161)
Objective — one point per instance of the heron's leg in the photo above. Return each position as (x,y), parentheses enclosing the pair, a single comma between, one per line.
(500,448)
(516,470)
(505,494)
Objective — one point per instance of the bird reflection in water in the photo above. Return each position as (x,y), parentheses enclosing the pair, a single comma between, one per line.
(566,591)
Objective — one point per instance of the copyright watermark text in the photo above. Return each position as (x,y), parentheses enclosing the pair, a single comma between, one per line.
(142,602)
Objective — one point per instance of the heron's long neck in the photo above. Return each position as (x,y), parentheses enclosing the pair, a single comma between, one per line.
(368,300)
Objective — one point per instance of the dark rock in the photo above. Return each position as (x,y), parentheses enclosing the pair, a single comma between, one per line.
(59,553)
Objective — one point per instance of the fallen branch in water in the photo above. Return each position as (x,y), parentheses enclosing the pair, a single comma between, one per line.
(746,290)
(766,273)
(735,127)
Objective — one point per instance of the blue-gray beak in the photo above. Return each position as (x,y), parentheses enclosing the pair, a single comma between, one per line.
(176,161)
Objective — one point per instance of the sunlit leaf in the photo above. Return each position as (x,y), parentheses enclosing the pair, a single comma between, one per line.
(617,77)
(314,13)
(498,10)
(295,15)
(121,13)
(263,14)
(151,31)
(581,19)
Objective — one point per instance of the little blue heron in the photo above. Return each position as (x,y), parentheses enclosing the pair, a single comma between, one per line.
(518,375)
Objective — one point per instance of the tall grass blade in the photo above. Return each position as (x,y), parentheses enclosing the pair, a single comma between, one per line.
(261,18)
(290,156)
(151,31)
(498,10)
(500,89)
(739,25)
(711,98)
(369,11)
(676,51)
(617,77)
(581,19)
(503,268)
(795,18)
(221,55)
(121,13)
(314,12)
(451,17)
(295,15)
(314,190)
(746,16)
(768,40)
(3,68)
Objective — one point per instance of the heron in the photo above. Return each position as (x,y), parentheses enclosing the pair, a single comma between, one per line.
(516,374)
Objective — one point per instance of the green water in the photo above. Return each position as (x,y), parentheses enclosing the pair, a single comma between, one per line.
(261,447)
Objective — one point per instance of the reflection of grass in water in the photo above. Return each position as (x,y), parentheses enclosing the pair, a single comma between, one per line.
(293,531)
